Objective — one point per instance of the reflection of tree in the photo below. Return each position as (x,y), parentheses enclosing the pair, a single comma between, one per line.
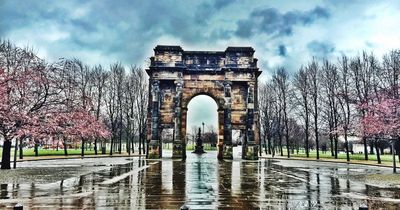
(3,192)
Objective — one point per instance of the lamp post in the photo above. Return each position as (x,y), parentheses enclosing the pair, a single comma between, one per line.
(203,128)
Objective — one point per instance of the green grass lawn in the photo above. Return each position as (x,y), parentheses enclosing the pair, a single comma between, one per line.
(342,155)
(206,147)
(313,154)
(51,152)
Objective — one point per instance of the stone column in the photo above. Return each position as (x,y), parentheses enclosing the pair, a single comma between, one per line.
(178,144)
(220,133)
(227,149)
(250,147)
(155,144)
(183,132)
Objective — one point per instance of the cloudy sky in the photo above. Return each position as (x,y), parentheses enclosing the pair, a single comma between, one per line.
(283,33)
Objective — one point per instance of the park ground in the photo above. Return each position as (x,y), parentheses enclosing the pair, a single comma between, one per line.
(200,182)
(386,159)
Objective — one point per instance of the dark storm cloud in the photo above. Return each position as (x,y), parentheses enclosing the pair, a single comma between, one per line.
(320,49)
(219,4)
(121,30)
(282,51)
(274,23)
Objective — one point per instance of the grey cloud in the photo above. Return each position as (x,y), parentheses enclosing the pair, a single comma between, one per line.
(271,22)
(219,4)
(320,49)
(119,30)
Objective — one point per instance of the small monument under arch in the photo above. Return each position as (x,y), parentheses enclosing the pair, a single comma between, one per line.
(229,77)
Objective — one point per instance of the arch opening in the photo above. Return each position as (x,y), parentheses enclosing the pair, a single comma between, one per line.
(202,113)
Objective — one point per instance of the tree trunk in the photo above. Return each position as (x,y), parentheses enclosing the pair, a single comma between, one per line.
(36,149)
(365,148)
(95,146)
(65,146)
(371,149)
(378,156)
(259,142)
(287,139)
(120,141)
(347,145)
(269,145)
(336,146)
(133,143)
(265,146)
(143,144)
(111,148)
(140,144)
(331,140)
(21,153)
(394,157)
(6,156)
(307,146)
(15,153)
(280,143)
(83,148)
(128,144)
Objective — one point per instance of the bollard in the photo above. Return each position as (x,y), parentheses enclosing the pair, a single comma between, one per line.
(184,207)
(18,206)
(363,208)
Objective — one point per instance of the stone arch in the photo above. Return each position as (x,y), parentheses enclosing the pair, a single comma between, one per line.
(229,77)
(218,101)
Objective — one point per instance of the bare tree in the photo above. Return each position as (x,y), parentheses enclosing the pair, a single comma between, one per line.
(391,72)
(344,100)
(300,82)
(314,72)
(266,104)
(112,103)
(330,84)
(99,81)
(363,69)
(141,103)
(281,80)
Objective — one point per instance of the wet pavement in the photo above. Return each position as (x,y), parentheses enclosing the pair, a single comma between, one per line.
(200,182)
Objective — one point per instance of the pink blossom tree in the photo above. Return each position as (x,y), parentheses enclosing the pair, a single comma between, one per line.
(38,102)
(382,120)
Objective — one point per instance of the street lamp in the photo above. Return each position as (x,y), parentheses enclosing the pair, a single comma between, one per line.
(203,128)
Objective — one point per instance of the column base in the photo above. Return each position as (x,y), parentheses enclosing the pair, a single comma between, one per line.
(228,152)
(154,150)
(220,151)
(177,150)
(199,150)
(250,152)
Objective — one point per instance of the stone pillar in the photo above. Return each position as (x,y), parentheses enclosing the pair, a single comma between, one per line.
(179,139)
(220,133)
(155,144)
(183,132)
(250,148)
(227,148)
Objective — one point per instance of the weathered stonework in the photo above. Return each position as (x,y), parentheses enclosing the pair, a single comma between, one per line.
(229,77)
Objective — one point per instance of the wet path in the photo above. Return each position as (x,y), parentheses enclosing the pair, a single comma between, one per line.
(200,182)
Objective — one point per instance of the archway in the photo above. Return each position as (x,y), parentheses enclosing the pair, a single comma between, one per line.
(229,77)
(202,113)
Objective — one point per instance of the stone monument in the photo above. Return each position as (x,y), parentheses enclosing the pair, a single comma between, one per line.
(198,149)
